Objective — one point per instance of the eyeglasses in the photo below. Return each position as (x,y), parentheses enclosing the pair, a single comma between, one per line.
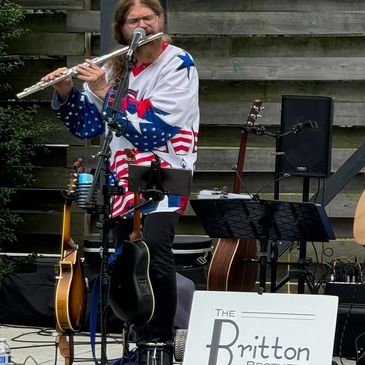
(147,19)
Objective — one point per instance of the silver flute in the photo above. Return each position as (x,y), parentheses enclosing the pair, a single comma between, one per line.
(71,72)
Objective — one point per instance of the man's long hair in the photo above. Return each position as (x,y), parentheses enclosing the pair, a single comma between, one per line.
(117,64)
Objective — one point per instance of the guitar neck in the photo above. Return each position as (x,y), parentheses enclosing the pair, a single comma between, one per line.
(137,221)
(250,122)
(240,163)
(66,227)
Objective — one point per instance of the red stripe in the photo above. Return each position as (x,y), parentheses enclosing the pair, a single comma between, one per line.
(184,131)
(181,148)
(117,155)
(181,139)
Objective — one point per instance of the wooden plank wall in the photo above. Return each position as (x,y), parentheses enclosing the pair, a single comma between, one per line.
(244,51)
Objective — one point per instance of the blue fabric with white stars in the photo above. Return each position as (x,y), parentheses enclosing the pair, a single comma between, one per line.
(81,116)
(83,120)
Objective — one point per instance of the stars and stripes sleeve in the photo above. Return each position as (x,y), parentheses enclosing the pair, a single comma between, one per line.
(79,115)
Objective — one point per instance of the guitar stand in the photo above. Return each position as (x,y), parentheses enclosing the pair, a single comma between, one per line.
(263,220)
(65,344)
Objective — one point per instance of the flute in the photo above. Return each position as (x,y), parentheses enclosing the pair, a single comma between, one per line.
(72,71)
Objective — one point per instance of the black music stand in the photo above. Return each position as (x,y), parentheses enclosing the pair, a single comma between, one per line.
(263,220)
(154,180)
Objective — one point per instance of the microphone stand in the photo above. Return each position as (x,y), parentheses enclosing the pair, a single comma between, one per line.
(296,128)
(105,207)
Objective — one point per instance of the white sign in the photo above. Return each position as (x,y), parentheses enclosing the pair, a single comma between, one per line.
(236,328)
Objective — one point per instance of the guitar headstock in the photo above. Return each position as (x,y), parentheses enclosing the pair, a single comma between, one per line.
(254,113)
(78,168)
(70,191)
(252,117)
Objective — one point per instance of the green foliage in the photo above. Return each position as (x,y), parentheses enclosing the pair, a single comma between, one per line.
(11,264)
(11,17)
(20,134)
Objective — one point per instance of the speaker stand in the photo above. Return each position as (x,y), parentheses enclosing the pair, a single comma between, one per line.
(301,274)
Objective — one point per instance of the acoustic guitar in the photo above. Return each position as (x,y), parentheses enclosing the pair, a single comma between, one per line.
(233,264)
(70,298)
(70,295)
(359,221)
(131,294)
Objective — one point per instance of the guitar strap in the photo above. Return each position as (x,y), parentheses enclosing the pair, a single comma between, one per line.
(95,303)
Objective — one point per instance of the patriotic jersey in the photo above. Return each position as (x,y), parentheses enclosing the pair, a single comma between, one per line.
(159,116)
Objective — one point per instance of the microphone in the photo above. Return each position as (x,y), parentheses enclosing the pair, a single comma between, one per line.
(138,34)
(305,124)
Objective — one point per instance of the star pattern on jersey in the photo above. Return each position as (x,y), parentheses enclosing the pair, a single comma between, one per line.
(146,129)
(187,62)
(80,116)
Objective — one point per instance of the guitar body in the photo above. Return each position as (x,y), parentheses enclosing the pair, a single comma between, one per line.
(233,264)
(359,221)
(70,295)
(230,267)
(131,294)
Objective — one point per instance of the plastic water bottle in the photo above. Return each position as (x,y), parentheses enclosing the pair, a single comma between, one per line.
(5,357)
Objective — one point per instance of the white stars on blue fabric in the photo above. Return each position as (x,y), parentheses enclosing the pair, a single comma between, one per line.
(148,131)
(80,116)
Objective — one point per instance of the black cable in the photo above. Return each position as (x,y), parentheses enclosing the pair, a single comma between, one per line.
(234,167)
(345,324)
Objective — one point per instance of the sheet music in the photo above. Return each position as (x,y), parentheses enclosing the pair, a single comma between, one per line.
(221,194)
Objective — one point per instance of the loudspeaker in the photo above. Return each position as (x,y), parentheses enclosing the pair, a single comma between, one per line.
(306,136)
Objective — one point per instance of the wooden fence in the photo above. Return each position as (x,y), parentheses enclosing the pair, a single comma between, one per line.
(244,51)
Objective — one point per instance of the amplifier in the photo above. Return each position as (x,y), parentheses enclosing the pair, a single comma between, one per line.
(347,293)
(350,326)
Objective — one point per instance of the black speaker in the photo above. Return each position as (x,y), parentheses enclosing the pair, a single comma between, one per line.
(305,139)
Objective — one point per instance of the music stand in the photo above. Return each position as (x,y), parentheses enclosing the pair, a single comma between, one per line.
(165,180)
(263,220)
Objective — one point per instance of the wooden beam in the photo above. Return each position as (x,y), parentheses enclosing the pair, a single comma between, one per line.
(235,113)
(51,4)
(323,6)
(282,68)
(267,23)
(70,44)
(83,21)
